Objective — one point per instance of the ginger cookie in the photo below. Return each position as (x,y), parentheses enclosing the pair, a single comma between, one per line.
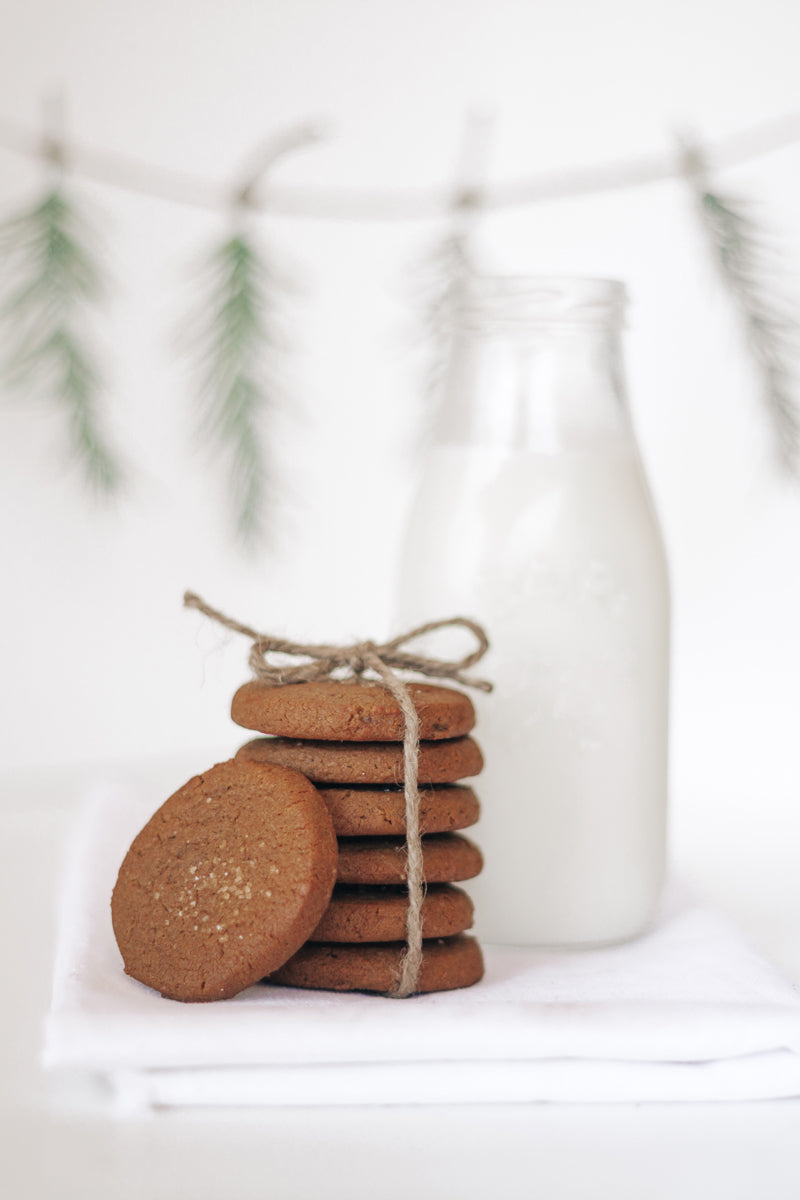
(375,914)
(225,881)
(447,963)
(352,711)
(446,858)
(366,762)
(372,812)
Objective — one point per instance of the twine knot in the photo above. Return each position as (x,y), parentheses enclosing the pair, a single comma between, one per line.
(383,660)
(358,660)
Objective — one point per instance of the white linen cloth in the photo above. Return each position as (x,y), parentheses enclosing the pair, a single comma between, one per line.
(686,1013)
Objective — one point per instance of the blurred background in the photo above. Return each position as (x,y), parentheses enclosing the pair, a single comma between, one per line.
(102,668)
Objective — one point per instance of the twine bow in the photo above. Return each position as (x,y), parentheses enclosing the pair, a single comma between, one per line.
(384,660)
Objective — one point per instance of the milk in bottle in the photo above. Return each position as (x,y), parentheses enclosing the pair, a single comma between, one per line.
(533,516)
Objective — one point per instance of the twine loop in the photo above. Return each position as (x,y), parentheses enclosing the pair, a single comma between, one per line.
(383,660)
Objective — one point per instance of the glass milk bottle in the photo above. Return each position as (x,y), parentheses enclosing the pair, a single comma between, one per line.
(533,516)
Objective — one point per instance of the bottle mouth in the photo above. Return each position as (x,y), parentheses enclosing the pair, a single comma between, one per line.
(517,302)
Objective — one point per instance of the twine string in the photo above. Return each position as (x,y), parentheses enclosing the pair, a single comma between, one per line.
(415,878)
(383,660)
(176,186)
(326,659)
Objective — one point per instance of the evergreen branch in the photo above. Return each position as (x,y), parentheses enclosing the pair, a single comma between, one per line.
(445,274)
(745,260)
(449,265)
(232,392)
(46,251)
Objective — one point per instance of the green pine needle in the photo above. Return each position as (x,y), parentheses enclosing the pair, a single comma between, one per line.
(52,279)
(446,271)
(743,256)
(232,391)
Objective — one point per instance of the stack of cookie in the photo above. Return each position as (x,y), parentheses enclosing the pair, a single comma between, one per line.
(347,738)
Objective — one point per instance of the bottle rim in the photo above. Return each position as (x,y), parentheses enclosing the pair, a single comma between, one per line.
(518,302)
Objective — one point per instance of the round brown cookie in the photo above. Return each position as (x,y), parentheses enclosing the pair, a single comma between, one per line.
(446,858)
(363,811)
(367,762)
(447,963)
(349,711)
(225,881)
(374,914)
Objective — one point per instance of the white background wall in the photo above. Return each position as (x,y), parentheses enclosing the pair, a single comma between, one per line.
(99,662)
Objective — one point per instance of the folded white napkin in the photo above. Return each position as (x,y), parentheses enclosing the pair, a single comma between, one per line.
(688,1012)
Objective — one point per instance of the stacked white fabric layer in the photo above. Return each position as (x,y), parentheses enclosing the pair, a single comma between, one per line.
(688,1012)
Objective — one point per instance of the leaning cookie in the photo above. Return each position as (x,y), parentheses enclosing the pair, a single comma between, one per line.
(334,710)
(367,762)
(447,963)
(225,882)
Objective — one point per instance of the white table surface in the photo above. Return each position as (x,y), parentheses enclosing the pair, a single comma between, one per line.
(58,1136)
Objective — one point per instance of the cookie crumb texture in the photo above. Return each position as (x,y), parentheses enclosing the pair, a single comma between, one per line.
(225,882)
(335,710)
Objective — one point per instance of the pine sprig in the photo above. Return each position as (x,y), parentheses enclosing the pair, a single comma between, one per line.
(55,279)
(442,282)
(747,263)
(235,381)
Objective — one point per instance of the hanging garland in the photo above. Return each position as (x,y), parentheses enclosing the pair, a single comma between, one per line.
(233,391)
(448,264)
(747,263)
(237,342)
(51,279)
(54,279)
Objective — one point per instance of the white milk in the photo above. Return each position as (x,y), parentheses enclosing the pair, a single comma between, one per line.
(559,556)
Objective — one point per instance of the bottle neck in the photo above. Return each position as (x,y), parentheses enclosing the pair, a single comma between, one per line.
(535,365)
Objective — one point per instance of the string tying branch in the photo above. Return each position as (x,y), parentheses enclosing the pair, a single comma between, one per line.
(345,204)
(383,660)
